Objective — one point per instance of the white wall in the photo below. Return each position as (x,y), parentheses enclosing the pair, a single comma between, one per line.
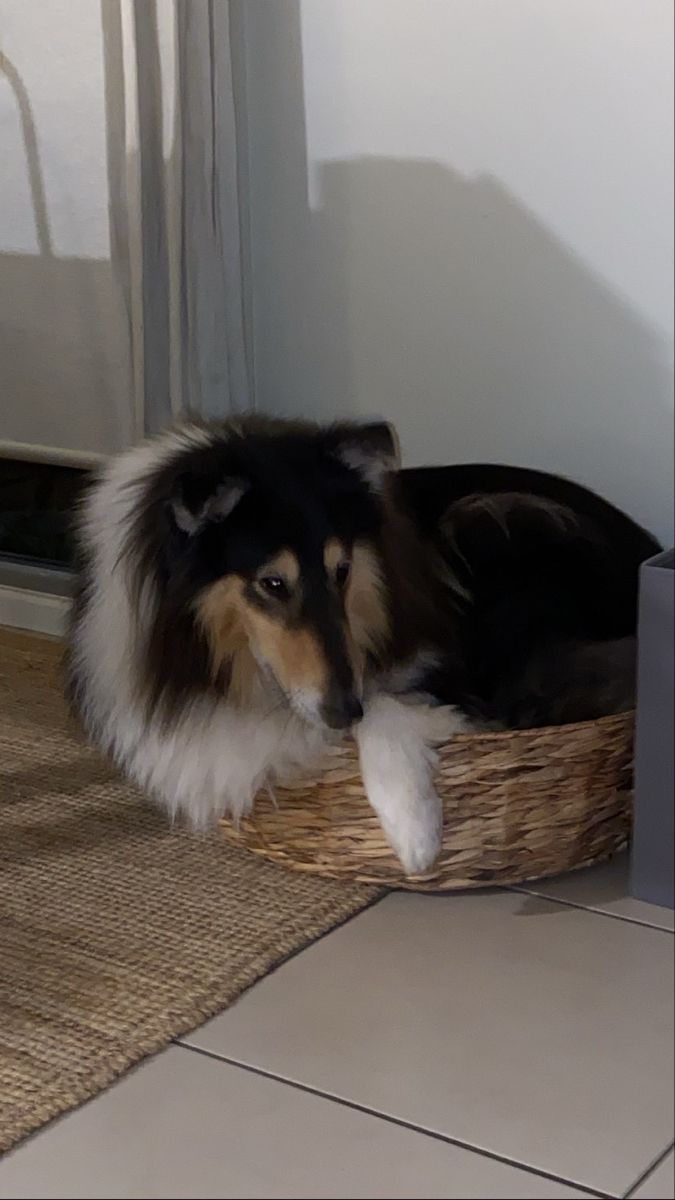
(64,344)
(462,220)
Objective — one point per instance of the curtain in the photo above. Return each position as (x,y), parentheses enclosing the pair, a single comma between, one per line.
(178,205)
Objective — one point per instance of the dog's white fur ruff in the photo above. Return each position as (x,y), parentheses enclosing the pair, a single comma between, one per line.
(213,759)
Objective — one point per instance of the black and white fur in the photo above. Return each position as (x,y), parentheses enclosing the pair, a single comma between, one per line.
(453,596)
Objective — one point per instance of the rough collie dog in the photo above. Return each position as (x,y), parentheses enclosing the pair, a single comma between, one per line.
(251,590)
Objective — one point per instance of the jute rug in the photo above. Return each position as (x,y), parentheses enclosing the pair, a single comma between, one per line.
(116,934)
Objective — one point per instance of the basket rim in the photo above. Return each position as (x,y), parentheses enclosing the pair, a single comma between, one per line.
(571,727)
(510,735)
(569,807)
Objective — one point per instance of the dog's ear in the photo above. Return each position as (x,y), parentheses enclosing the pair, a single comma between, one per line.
(370,450)
(192,509)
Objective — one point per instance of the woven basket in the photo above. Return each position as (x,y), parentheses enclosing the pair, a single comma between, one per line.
(517,806)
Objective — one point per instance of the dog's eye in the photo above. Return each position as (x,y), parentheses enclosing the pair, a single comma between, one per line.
(275,586)
(342,573)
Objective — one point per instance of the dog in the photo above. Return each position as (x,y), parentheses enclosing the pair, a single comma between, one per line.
(250,591)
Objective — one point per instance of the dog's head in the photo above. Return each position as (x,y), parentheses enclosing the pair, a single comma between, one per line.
(273,535)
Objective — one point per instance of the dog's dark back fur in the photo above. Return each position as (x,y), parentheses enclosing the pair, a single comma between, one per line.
(522,585)
(250,587)
(550,573)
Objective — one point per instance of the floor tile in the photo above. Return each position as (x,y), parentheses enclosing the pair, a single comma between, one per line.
(185,1125)
(534,1030)
(660,1185)
(605,889)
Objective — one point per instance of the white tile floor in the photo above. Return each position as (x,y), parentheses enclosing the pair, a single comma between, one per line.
(511,1044)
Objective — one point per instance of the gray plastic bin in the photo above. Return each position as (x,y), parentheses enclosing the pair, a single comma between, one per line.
(653,844)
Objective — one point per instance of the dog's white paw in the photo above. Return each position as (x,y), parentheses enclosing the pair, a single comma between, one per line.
(415,835)
(397,765)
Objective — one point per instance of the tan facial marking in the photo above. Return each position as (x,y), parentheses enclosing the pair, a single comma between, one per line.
(295,655)
(284,564)
(240,633)
(220,612)
(334,553)
(365,602)
(233,626)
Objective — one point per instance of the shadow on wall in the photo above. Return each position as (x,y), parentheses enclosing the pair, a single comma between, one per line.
(457,312)
(442,303)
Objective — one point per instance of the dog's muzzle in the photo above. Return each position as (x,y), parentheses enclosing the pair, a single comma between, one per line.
(343,711)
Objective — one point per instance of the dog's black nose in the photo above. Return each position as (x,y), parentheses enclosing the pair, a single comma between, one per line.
(342,712)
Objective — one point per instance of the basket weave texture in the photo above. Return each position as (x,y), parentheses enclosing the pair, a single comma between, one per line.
(518,805)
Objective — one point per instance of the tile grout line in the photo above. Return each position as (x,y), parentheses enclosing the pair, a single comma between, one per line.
(400,1122)
(598,912)
(653,1166)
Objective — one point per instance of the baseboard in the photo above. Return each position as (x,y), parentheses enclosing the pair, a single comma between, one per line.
(39,612)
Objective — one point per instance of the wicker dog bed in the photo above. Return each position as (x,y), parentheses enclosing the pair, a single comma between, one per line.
(517,805)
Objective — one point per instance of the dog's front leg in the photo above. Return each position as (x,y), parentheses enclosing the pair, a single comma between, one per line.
(395,741)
